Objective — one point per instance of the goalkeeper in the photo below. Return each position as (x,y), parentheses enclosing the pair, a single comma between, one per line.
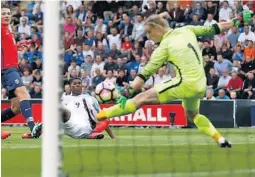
(180,48)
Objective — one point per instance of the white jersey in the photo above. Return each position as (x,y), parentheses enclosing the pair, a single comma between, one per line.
(82,118)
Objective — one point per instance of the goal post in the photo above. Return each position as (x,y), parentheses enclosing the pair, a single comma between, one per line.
(51,154)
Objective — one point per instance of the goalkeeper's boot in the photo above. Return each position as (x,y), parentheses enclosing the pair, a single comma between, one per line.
(223,143)
(96,136)
(101,115)
(5,134)
(36,132)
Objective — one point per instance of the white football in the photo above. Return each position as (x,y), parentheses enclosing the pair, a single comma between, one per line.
(106,92)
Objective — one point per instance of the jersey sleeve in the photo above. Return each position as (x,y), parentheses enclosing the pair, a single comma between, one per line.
(204,30)
(158,57)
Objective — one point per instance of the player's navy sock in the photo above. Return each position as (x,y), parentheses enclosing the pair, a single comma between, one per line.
(26,111)
(7,114)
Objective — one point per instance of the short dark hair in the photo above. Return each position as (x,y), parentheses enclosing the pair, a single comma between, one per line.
(219,53)
(76,78)
(5,5)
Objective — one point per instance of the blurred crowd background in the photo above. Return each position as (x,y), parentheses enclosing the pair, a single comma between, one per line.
(106,41)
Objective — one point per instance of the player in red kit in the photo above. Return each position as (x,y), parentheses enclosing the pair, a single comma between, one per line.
(11,79)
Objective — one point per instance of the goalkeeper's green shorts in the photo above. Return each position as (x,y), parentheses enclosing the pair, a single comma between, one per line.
(190,92)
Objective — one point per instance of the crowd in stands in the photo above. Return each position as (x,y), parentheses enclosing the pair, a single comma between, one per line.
(106,41)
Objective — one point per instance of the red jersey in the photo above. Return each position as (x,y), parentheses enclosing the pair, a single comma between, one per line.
(235,83)
(9,53)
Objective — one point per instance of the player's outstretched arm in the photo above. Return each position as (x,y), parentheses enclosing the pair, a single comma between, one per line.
(211,30)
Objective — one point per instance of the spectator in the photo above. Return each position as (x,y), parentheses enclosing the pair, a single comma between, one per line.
(87,51)
(110,65)
(210,21)
(70,12)
(114,52)
(142,64)
(118,16)
(4,95)
(79,39)
(36,92)
(247,66)
(222,95)
(212,79)
(98,64)
(138,29)
(90,16)
(126,45)
(222,64)
(187,14)
(233,95)
(235,83)
(148,48)
(24,27)
(67,91)
(226,52)
(131,76)
(29,9)
(98,78)
(199,11)
(87,64)
(38,16)
(89,26)
(236,66)
(249,87)
(69,26)
(16,16)
(238,55)
(224,12)
(252,23)
(67,40)
(137,49)
(100,27)
(224,80)
(78,55)
(209,95)
(100,50)
(89,39)
(114,38)
(159,78)
(127,27)
(85,79)
(208,50)
(100,39)
(176,15)
(27,79)
(249,50)
(37,64)
(219,40)
(160,8)
(109,77)
(246,35)
(81,14)
(212,9)
(121,78)
(37,78)
(233,37)
(151,9)
(208,64)
(74,66)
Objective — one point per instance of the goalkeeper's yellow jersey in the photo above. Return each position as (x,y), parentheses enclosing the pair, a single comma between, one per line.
(180,47)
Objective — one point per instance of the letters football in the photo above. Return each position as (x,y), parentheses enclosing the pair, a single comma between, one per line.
(106,92)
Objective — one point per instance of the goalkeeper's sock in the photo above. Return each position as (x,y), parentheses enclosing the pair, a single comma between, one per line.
(116,110)
(204,125)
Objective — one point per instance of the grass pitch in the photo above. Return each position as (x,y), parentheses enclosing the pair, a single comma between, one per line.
(138,152)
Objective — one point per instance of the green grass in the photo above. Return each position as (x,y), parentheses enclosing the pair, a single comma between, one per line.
(138,152)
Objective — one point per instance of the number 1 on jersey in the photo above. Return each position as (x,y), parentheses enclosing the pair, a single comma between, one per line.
(194,50)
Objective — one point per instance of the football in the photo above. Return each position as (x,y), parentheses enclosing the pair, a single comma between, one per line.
(106,92)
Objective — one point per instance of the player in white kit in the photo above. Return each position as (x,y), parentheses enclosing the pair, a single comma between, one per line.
(79,114)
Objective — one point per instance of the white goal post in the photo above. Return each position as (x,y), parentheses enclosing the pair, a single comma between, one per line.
(51,154)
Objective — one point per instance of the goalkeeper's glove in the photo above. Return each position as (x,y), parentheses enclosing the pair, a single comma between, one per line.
(236,22)
(124,95)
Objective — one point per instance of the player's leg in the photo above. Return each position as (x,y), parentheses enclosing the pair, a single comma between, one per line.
(191,107)
(12,111)
(148,97)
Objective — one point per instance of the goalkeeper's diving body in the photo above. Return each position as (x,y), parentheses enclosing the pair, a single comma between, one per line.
(180,48)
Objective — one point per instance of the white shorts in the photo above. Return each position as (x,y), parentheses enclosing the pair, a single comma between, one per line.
(77,130)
